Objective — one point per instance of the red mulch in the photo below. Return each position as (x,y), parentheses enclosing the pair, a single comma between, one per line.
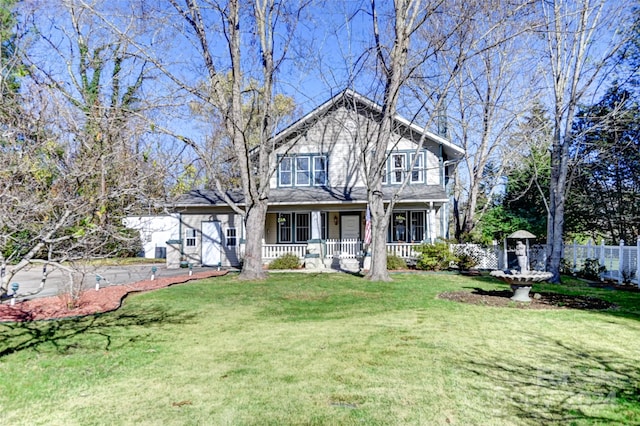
(91,302)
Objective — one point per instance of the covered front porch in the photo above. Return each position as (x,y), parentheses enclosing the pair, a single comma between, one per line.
(333,251)
(415,224)
(331,236)
(334,238)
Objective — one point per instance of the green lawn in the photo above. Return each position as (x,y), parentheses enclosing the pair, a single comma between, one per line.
(325,349)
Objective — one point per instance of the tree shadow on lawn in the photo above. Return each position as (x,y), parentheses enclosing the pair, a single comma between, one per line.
(87,332)
(570,385)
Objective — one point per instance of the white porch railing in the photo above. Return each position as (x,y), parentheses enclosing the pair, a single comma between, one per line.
(348,248)
(273,251)
(403,250)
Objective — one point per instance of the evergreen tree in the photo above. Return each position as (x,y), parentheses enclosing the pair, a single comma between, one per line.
(523,204)
(606,184)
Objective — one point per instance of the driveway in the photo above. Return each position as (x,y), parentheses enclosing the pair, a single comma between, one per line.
(29,279)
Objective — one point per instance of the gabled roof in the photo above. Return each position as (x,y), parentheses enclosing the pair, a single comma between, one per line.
(451,150)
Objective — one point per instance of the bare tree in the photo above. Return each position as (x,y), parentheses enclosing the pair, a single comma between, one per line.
(395,68)
(256,39)
(581,39)
(73,160)
(489,94)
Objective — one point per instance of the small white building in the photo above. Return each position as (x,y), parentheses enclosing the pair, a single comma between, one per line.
(155,231)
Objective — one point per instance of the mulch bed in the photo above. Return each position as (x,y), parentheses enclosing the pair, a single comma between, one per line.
(91,302)
(502,298)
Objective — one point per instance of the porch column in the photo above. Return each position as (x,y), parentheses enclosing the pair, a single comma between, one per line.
(431,223)
(316,225)
(314,257)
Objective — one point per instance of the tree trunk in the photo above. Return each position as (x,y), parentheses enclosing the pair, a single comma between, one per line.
(378,271)
(557,194)
(254,223)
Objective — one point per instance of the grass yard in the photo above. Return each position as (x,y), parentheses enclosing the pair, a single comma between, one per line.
(326,349)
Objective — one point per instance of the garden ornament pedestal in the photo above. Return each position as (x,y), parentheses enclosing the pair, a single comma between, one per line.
(521,282)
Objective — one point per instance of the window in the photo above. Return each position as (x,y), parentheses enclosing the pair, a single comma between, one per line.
(384,172)
(190,237)
(296,227)
(323,231)
(285,171)
(417,226)
(302,227)
(417,175)
(407,226)
(399,226)
(284,227)
(231,237)
(303,170)
(320,170)
(303,173)
(398,168)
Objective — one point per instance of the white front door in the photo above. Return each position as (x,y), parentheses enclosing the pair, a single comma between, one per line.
(211,243)
(350,227)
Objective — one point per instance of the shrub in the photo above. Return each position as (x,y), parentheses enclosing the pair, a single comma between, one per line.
(286,261)
(434,257)
(592,269)
(466,261)
(628,275)
(468,255)
(394,262)
(565,267)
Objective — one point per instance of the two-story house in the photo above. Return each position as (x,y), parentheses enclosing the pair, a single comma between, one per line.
(318,189)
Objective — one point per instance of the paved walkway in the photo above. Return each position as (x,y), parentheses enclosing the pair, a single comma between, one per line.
(29,280)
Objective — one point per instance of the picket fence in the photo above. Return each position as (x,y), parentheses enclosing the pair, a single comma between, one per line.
(620,261)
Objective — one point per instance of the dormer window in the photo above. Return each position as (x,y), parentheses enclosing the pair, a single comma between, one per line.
(303,170)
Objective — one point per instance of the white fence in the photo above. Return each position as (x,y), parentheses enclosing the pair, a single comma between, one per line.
(403,250)
(346,249)
(620,261)
(273,251)
(487,257)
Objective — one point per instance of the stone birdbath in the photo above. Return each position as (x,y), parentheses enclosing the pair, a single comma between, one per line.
(521,282)
(522,279)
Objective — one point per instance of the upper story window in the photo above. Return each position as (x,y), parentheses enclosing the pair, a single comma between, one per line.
(399,165)
(303,170)
(417,174)
(319,170)
(285,171)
